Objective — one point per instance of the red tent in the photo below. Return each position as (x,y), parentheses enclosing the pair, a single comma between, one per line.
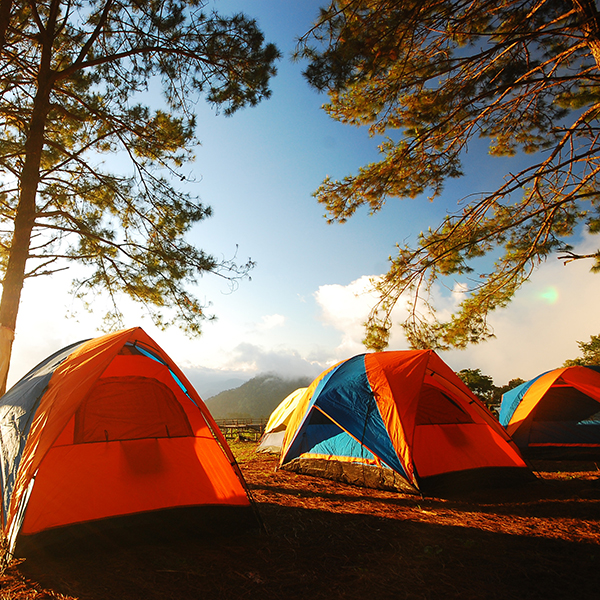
(556,415)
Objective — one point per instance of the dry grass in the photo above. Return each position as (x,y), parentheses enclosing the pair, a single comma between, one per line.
(325,540)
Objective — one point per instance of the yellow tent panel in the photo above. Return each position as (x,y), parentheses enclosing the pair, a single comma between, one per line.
(278,421)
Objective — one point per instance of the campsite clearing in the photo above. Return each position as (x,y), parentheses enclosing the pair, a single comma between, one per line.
(326,539)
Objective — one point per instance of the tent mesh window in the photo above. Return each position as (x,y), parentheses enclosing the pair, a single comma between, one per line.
(436,408)
(130,408)
(565,403)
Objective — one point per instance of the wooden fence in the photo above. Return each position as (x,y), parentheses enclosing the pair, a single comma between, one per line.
(242,429)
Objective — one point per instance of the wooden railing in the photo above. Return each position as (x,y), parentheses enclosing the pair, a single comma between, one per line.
(242,429)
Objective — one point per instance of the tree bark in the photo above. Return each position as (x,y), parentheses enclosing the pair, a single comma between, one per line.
(5,8)
(14,277)
(590,25)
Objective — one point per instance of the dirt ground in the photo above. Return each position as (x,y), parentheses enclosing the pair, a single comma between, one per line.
(324,539)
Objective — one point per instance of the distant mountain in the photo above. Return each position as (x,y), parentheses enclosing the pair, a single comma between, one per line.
(210,382)
(256,399)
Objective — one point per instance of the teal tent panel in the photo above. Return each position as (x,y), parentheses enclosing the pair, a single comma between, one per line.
(330,440)
(346,397)
(512,399)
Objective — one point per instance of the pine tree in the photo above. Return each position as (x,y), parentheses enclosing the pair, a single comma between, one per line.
(431,76)
(73,75)
(590,353)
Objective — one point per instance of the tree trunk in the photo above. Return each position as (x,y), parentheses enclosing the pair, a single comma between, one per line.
(19,250)
(590,25)
(5,8)
(25,215)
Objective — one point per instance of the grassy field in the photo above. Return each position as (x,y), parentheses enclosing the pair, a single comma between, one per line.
(324,539)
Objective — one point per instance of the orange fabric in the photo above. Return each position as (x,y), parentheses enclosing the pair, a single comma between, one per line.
(435,423)
(206,416)
(396,379)
(54,422)
(447,448)
(581,378)
(436,408)
(441,375)
(199,411)
(129,408)
(409,378)
(69,384)
(84,482)
(585,380)
(140,366)
(534,394)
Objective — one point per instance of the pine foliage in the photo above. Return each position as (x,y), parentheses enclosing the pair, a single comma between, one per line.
(431,77)
(92,157)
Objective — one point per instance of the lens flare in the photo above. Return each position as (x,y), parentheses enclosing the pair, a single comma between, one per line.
(549,295)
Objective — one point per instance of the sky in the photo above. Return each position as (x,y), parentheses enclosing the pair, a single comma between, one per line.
(308,295)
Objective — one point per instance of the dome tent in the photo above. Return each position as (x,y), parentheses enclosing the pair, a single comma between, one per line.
(555,415)
(107,435)
(272,438)
(403,420)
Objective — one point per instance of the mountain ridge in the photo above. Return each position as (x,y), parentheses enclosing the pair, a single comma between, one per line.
(254,399)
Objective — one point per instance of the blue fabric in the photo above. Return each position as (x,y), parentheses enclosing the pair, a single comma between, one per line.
(17,410)
(294,450)
(346,397)
(327,438)
(512,399)
(153,356)
(342,445)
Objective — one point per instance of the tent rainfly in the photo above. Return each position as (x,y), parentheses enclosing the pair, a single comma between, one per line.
(399,420)
(556,415)
(108,436)
(272,437)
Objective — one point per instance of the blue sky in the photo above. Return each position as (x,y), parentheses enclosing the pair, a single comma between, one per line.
(300,312)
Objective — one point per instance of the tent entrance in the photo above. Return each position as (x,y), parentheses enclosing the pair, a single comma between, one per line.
(565,417)
(565,403)
(130,408)
(327,450)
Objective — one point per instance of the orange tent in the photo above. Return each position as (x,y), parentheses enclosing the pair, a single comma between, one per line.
(403,420)
(556,415)
(106,432)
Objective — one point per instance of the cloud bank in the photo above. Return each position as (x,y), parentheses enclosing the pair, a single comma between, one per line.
(538,331)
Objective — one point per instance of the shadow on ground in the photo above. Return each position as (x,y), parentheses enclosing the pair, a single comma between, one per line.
(329,540)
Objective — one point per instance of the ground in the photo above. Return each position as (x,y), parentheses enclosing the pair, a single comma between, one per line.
(324,539)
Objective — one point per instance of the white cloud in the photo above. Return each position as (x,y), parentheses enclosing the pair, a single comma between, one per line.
(346,308)
(538,330)
(342,305)
(282,361)
(271,322)
(247,360)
